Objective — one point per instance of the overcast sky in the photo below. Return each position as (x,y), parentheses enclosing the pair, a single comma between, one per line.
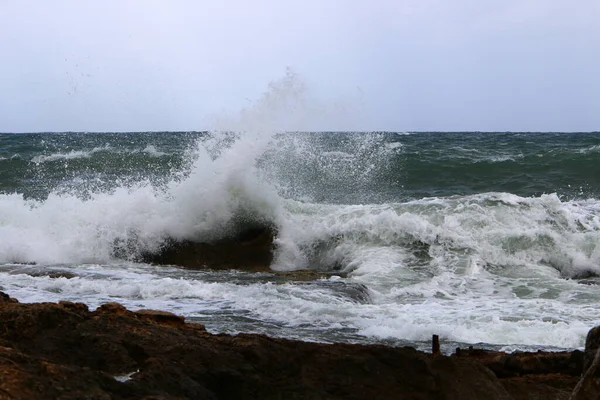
(405,65)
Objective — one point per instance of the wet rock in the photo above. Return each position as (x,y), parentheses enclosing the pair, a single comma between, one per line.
(540,386)
(585,274)
(590,281)
(592,343)
(161,317)
(532,376)
(251,250)
(64,351)
(4,298)
(53,275)
(588,387)
(305,275)
(519,364)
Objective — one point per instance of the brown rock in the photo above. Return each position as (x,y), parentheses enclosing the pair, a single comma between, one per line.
(112,308)
(532,376)
(161,317)
(63,351)
(540,386)
(592,343)
(4,298)
(588,387)
(518,364)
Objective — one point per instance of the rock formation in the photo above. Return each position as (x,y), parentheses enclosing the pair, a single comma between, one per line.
(251,250)
(588,387)
(64,351)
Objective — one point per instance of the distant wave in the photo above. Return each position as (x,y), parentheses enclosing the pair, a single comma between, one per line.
(499,158)
(78,154)
(73,154)
(592,149)
(13,157)
(151,150)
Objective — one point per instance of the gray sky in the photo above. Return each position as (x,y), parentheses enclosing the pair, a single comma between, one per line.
(387,65)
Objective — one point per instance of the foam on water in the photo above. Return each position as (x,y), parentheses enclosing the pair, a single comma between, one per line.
(219,193)
(498,230)
(591,149)
(493,267)
(314,312)
(151,150)
(486,268)
(71,155)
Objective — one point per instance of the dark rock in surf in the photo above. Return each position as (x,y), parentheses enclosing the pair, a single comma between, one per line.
(584,274)
(4,298)
(251,250)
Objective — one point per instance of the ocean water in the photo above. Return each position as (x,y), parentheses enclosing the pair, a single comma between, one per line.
(490,239)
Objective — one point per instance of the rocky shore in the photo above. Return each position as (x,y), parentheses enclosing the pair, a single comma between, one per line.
(65,351)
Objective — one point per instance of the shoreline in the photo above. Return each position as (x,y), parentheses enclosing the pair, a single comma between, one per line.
(64,350)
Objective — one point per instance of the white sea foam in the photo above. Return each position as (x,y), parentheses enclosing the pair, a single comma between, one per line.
(71,155)
(484,268)
(498,229)
(312,312)
(151,150)
(66,228)
(502,158)
(591,149)
(221,191)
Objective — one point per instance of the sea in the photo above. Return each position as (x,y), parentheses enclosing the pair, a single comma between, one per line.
(490,239)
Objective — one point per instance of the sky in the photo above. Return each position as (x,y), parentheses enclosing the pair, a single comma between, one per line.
(397,65)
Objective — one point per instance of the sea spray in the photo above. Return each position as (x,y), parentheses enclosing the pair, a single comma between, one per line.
(480,238)
(214,194)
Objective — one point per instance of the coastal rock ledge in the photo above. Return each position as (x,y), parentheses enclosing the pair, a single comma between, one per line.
(65,351)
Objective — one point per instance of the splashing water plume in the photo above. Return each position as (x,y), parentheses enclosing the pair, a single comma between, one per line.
(406,252)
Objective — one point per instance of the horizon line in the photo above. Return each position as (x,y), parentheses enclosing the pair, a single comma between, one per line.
(293,131)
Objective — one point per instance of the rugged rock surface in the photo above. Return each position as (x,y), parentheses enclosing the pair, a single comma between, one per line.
(251,250)
(533,376)
(588,387)
(64,351)
(518,364)
(592,343)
